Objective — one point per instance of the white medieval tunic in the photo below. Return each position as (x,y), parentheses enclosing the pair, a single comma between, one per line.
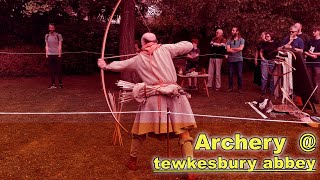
(155,67)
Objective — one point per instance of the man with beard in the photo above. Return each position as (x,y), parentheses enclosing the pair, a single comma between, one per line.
(53,54)
(235,46)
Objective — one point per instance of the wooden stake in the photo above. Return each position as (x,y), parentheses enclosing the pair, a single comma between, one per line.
(315,89)
(257,110)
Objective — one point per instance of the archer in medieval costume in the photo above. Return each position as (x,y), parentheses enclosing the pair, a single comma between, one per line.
(155,66)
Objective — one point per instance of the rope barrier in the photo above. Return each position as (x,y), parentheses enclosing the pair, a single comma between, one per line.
(109,57)
(215,54)
(312,62)
(137,112)
(38,53)
(125,55)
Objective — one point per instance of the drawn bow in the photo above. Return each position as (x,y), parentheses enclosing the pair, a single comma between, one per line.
(102,71)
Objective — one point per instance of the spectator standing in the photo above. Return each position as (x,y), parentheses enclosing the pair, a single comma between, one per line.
(218,51)
(257,61)
(235,46)
(293,41)
(53,54)
(313,57)
(268,52)
(305,38)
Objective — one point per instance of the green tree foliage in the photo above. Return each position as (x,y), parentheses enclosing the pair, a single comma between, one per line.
(25,24)
(25,21)
(76,9)
(200,18)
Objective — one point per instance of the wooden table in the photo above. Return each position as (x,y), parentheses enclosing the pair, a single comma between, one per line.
(203,76)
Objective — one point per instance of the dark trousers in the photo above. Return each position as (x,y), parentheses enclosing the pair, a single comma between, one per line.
(314,73)
(238,66)
(55,68)
(265,66)
(257,74)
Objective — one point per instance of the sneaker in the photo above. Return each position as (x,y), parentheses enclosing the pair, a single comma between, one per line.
(60,86)
(240,91)
(229,90)
(218,89)
(132,163)
(52,87)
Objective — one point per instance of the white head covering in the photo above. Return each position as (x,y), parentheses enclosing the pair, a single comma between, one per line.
(148,37)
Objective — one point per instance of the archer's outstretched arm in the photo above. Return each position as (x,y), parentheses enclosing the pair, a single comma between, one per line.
(117,65)
(179,48)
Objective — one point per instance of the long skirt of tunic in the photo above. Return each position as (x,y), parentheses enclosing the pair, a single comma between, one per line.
(156,123)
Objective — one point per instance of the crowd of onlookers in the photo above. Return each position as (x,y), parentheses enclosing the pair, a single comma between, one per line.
(266,51)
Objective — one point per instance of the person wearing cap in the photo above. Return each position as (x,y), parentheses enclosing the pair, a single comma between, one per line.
(293,41)
(155,66)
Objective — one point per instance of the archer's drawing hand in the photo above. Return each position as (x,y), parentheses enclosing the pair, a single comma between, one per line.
(101,63)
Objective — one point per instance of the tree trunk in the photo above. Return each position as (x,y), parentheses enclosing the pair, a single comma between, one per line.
(127,36)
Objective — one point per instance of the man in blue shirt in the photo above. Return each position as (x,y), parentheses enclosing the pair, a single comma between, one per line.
(293,41)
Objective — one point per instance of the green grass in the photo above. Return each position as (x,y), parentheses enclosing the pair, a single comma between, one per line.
(79,146)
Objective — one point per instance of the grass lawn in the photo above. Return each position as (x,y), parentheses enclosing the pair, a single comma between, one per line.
(80,147)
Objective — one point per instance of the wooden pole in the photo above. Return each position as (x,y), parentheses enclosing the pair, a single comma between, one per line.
(315,89)
(168,133)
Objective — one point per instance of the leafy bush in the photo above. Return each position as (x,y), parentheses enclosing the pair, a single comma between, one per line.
(86,36)
(77,36)
(21,64)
